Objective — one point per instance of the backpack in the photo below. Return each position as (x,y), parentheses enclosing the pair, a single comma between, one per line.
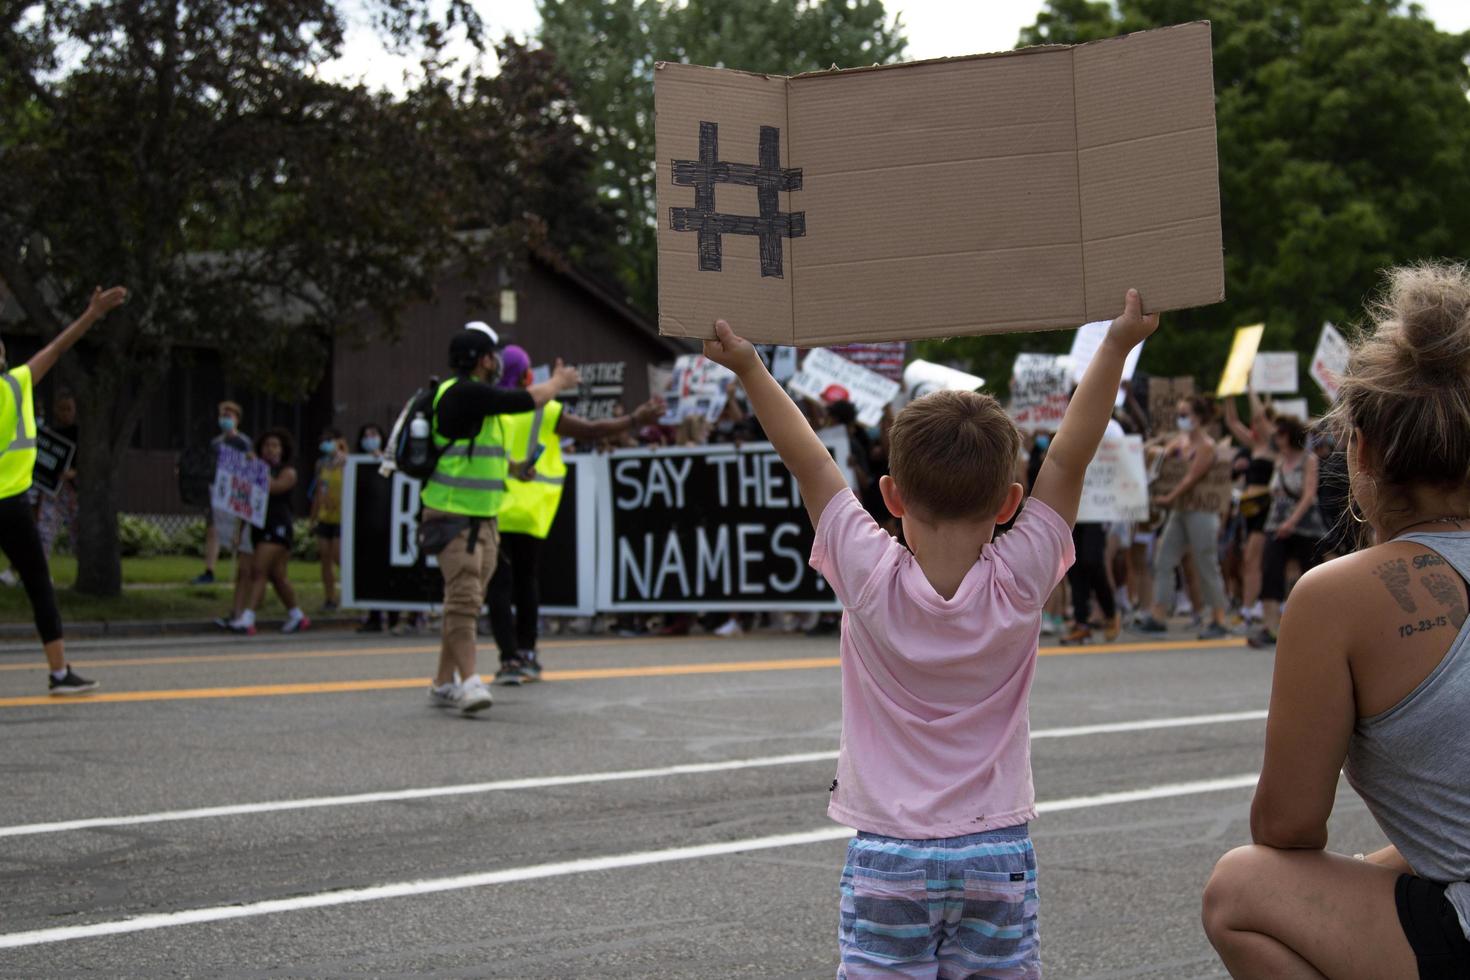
(415,454)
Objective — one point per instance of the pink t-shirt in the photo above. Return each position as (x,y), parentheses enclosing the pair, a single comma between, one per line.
(936,738)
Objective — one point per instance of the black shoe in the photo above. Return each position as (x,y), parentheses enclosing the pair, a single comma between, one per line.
(205,579)
(72,683)
(530,670)
(1214,631)
(509,674)
(1261,639)
(1150,625)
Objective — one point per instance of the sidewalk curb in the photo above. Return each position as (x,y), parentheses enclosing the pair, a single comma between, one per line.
(132,629)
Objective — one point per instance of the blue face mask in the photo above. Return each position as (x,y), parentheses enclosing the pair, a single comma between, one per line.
(371,444)
(1042,442)
(227,423)
(328,447)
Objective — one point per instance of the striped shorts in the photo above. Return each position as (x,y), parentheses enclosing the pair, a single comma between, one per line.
(950,908)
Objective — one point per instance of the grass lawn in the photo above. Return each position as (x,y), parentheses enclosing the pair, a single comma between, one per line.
(159,589)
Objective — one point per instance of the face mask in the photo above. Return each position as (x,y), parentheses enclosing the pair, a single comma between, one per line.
(1186,424)
(371,444)
(328,447)
(226,423)
(1042,442)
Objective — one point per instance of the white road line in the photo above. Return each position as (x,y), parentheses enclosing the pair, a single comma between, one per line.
(405,889)
(543,782)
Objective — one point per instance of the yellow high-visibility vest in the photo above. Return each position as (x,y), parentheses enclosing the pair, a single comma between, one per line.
(470,476)
(530,505)
(17,432)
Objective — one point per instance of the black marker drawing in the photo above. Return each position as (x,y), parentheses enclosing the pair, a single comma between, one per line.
(767,177)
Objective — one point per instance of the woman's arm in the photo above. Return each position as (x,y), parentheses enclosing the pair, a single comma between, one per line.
(284,480)
(102,304)
(1309,496)
(1236,427)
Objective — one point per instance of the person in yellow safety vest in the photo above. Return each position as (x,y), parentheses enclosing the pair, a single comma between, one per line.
(533,494)
(463,495)
(19,538)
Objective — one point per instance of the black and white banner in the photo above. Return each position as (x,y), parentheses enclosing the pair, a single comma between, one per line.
(705,529)
(381,566)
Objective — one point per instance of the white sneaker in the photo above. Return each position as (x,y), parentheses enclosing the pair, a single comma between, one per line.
(446,696)
(296,624)
(473,697)
(730,627)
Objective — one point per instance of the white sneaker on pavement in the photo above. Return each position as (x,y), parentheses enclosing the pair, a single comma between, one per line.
(730,627)
(446,696)
(474,696)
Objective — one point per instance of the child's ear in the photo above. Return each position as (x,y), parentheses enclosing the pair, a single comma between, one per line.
(1012,503)
(892,499)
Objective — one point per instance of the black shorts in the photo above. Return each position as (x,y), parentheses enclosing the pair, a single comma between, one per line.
(325,530)
(1433,929)
(271,534)
(1254,511)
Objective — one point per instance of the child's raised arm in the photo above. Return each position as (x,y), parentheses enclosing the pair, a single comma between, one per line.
(1059,484)
(802,452)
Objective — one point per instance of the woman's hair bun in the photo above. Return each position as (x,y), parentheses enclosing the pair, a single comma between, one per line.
(1428,309)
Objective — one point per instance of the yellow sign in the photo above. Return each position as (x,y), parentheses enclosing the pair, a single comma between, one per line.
(1242,356)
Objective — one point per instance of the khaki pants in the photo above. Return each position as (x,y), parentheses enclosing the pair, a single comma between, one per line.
(466,577)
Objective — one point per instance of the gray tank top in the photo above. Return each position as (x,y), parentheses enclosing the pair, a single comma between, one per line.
(1411,763)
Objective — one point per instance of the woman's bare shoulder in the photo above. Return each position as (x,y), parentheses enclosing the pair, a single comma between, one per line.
(1360,591)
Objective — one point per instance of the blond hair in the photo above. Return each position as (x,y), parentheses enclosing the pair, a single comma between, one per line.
(952,455)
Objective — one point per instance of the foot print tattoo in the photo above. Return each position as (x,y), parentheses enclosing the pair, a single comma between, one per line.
(1442,587)
(1395,578)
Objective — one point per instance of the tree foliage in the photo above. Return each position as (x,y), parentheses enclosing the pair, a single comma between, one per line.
(610,48)
(1344,132)
(192,152)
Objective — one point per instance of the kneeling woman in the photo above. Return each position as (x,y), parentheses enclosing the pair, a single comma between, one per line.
(1373,679)
(273,542)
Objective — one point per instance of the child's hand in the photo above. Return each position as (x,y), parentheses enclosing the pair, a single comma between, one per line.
(730,351)
(1132,327)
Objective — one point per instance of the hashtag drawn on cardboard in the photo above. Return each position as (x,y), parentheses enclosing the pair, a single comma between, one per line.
(768,178)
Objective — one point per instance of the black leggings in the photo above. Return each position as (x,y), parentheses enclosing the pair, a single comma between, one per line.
(516,583)
(1278,552)
(21,543)
(1088,575)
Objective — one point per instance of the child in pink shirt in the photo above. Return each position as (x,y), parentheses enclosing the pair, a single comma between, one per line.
(938,653)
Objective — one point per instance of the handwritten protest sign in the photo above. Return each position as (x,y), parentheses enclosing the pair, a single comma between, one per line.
(1087,340)
(1115,486)
(1275,373)
(54,455)
(828,377)
(699,386)
(1329,360)
(1242,356)
(884,358)
(1163,402)
(1210,494)
(241,486)
(1039,391)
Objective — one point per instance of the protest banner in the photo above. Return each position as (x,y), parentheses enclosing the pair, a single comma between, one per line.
(828,377)
(600,394)
(1275,373)
(54,456)
(1210,494)
(885,358)
(1238,365)
(1293,407)
(1040,389)
(241,486)
(1329,361)
(922,377)
(1087,340)
(1072,174)
(1164,395)
(704,529)
(698,386)
(382,567)
(1115,486)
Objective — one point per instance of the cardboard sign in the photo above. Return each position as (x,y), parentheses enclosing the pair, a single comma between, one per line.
(885,359)
(698,386)
(1163,402)
(706,528)
(1294,407)
(54,456)
(1242,356)
(1274,373)
(1210,494)
(829,377)
(1115,486)
(923,377)
(1087,340)
(1329,361)
(382,567)
(1040,389)
(1019,191)
(241,486)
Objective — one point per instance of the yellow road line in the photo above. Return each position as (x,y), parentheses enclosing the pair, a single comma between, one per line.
(580,674)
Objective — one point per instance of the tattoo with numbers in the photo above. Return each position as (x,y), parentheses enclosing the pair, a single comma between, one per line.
(1445,592)
(1395,578)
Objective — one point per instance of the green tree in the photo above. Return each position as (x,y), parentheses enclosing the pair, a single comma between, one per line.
(610,48)
(190,151)
(1344,132)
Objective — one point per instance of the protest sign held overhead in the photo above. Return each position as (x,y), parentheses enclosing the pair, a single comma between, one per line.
(1329,361)
(1292,407)
(828,377)
(698,386)
(884,358)
(241,486)
(1087,340)
(1275,373)
(1115,486)
(1040,384)
(1164,395)
(1020,191)
(924,377)
(1236,376)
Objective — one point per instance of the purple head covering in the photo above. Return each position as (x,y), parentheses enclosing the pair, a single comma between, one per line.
(514,363)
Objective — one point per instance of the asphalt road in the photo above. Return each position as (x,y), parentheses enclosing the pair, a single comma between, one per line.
(475,860)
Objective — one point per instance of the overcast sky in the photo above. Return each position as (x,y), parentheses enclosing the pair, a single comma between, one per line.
(935,29)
